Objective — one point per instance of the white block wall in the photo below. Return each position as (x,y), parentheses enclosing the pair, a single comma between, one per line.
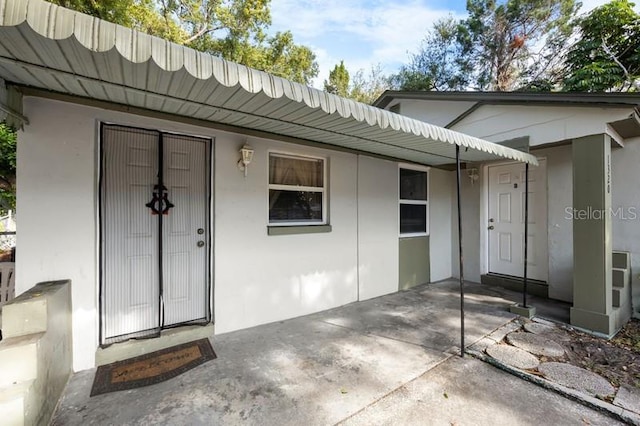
(378,213)
(625,201)
(257,278)
(441,184)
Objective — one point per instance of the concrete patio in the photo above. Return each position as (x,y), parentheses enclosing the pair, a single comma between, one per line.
(390,360)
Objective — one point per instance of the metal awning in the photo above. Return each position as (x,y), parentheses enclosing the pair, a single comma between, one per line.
(48,47)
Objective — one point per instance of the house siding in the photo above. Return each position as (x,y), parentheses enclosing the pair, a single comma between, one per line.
(378,226)
(559,225)
(470,194)
(541,124)
(441,184)
(625,198)
(258,278)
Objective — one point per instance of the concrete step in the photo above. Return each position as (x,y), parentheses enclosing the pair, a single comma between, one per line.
(17,404)
(19,359)
(535,287)
(621,259)
(621,297)
(25,315)
(621,315)
(620,277)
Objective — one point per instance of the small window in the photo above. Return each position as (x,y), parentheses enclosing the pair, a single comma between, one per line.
(297,193)
(414,201)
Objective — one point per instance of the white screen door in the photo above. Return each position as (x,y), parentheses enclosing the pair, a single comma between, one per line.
(155,238)
(506,220)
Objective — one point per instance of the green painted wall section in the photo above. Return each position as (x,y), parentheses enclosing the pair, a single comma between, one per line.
(592,298)
(414,262)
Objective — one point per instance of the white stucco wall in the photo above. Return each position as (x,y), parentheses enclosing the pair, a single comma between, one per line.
(471,226)
(261,278)
(440,217)
(560,229)
(542,124)
(257,278)
(559,225)
(439,113)
(57,198)
(378,226)
(625,196)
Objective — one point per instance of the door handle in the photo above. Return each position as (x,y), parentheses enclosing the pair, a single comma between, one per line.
(490,227)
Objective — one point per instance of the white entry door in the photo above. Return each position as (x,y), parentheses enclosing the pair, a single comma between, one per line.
(506,220)
(155,231)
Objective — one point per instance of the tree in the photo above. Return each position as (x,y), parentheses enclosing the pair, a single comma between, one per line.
(437,65)
(607,54)
(116,11)
(284,58)
(232,29)
(7,168)
(364,88)
(502,45)
(236,30)
(508,44)
(338,82)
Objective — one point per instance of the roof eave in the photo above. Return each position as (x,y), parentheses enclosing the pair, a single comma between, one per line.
(515,98)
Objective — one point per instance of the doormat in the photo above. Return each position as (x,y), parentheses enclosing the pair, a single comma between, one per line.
(151,368)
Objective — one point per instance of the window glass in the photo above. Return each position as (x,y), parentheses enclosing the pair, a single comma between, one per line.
(296,190)
(295,171)
(413,184)
(295,206)
(413,218)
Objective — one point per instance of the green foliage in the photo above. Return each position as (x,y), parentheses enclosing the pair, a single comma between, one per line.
(116,11)
(607,54)
(507,44)
(236,30)
(437,65)
(338,82)
(231,29)
(286,59)
(7,168)
(501,45)
(364,88)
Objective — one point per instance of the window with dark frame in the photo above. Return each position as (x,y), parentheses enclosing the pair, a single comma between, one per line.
(297,194)
(414,199)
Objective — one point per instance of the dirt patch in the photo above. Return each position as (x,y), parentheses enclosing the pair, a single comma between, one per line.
(617,360)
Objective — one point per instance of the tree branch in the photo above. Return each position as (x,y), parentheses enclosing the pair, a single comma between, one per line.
(204,30)
(608,51)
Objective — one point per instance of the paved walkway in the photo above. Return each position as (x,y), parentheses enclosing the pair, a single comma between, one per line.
(384,361)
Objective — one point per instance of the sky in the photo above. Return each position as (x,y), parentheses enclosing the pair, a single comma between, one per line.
(365,33)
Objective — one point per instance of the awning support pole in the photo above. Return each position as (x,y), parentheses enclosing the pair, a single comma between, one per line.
(526,233)
(460,252)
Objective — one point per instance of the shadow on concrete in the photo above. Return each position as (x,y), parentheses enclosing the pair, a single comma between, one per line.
(331,366)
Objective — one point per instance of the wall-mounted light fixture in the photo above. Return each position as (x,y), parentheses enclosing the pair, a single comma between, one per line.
(473,175)
(247,155)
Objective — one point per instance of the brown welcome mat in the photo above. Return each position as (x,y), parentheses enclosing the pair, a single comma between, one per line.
(151,368)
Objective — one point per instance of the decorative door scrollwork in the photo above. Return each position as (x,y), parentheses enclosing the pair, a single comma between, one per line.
(160,203)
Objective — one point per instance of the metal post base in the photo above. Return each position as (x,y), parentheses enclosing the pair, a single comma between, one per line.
(523,311)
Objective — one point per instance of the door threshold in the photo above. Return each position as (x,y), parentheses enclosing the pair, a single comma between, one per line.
(136,347)
(534,287)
